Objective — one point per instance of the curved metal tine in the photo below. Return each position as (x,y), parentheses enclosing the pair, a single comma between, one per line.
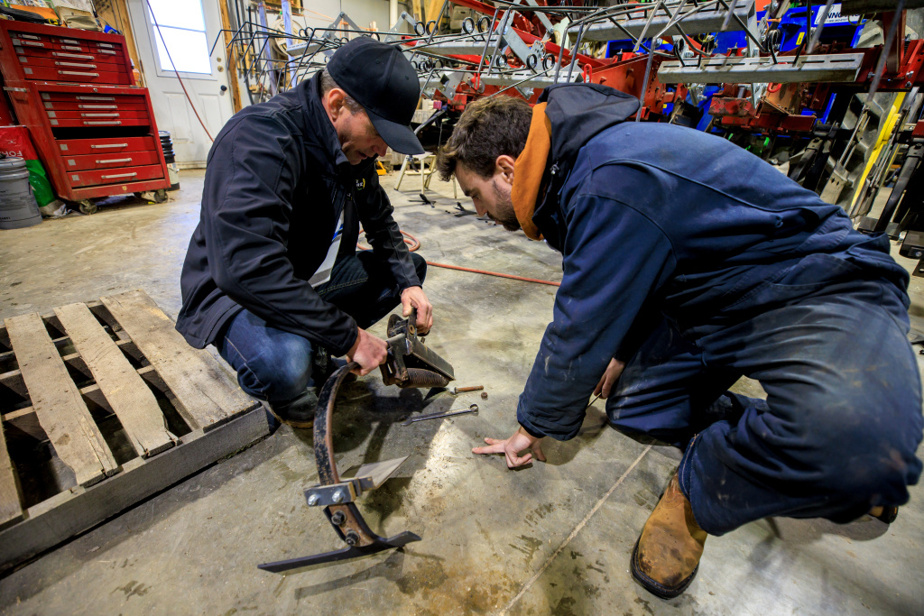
(398,541)
(487,40)
(323,441)
(641,35)
(575,51)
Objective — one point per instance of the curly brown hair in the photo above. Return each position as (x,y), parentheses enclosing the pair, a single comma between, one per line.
(488,128)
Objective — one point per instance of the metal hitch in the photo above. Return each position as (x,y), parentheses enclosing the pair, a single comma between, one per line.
(410,363)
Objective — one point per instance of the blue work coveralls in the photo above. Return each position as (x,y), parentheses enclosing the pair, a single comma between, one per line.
(697,263)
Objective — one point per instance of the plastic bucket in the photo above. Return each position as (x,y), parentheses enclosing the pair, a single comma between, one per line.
(17,205)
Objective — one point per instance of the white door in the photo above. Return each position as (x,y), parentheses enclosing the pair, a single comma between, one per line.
(189,29)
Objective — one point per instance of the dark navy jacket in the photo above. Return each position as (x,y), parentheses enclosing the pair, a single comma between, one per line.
(275,184)
(662,219)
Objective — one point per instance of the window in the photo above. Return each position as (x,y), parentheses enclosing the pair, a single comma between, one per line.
(182,26)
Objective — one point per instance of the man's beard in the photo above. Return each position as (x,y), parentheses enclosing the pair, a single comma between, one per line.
(506,215)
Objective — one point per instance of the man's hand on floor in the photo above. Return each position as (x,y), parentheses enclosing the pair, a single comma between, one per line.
(513,446)
(414,297)
(368,351)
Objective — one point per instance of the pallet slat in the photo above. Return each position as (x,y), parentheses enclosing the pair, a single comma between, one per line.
(57,402)
(205,395)
(10,503)
(130,399)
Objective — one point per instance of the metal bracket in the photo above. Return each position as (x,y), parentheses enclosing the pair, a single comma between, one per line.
(369,477)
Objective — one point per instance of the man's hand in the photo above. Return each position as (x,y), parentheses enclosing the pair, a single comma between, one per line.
(368,351)
(609,378)
(511,448)
(414,297)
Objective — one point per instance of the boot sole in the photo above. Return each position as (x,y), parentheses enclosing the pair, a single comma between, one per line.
(301,425)
(655,587)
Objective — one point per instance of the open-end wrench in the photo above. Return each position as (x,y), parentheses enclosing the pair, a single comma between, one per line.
(473,409)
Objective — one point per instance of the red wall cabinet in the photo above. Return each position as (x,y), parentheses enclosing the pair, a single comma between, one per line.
(94,130)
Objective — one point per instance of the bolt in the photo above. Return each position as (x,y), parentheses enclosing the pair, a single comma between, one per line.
(313,500)
(337,496)
(351,538)
(459,390)
(338,518)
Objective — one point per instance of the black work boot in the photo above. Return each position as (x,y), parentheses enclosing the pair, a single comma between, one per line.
(298,413)
(666,555)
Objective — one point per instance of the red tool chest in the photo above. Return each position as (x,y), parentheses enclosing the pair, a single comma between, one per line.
(94,130)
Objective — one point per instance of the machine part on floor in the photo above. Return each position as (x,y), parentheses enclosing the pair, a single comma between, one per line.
(460,390)
(484,395)
(410,363)
(337,496)
(473,409)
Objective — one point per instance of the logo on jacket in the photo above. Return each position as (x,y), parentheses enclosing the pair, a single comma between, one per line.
(360,183)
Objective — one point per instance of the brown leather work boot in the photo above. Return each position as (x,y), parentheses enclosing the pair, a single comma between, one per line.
(666,555)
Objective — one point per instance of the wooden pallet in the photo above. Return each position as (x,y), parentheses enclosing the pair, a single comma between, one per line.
(103,404)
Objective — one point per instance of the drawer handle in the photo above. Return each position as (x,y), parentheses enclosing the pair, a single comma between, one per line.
(73,56)
(75,65)
(29,36)
(79,73)
(108,52)
(100,161)
(108,145)
(100,122)
(70,41)
(97,106)
(119,175)
(31,44)
(99,115)
(96,98)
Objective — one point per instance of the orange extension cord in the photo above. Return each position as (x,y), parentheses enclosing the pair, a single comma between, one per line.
(413,244)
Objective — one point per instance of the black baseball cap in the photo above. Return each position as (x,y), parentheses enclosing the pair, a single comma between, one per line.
(381,79)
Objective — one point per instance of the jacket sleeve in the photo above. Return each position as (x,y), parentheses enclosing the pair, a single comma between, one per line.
(614,259)
(375,213)
(247,207)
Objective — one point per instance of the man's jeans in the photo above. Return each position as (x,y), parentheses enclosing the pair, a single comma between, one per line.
(837,434)
(276,365)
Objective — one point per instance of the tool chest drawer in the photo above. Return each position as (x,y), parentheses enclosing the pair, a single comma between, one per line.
(96,177)
(77,102)
(97,118)
(78,147)
(109,161)
(73,70)
(48,53)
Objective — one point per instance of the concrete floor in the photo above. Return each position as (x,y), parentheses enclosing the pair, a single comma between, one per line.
(553,539)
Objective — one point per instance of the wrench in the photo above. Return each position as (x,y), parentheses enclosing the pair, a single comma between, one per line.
(473,409)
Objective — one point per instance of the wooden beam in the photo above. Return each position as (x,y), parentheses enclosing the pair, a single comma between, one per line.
(10,495)
(125,391)
(57,402)
(230,56)
(206,395)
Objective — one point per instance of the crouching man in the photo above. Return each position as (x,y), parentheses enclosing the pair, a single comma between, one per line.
(689,262)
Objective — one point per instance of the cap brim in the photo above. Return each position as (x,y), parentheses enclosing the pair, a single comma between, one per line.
(398,137)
